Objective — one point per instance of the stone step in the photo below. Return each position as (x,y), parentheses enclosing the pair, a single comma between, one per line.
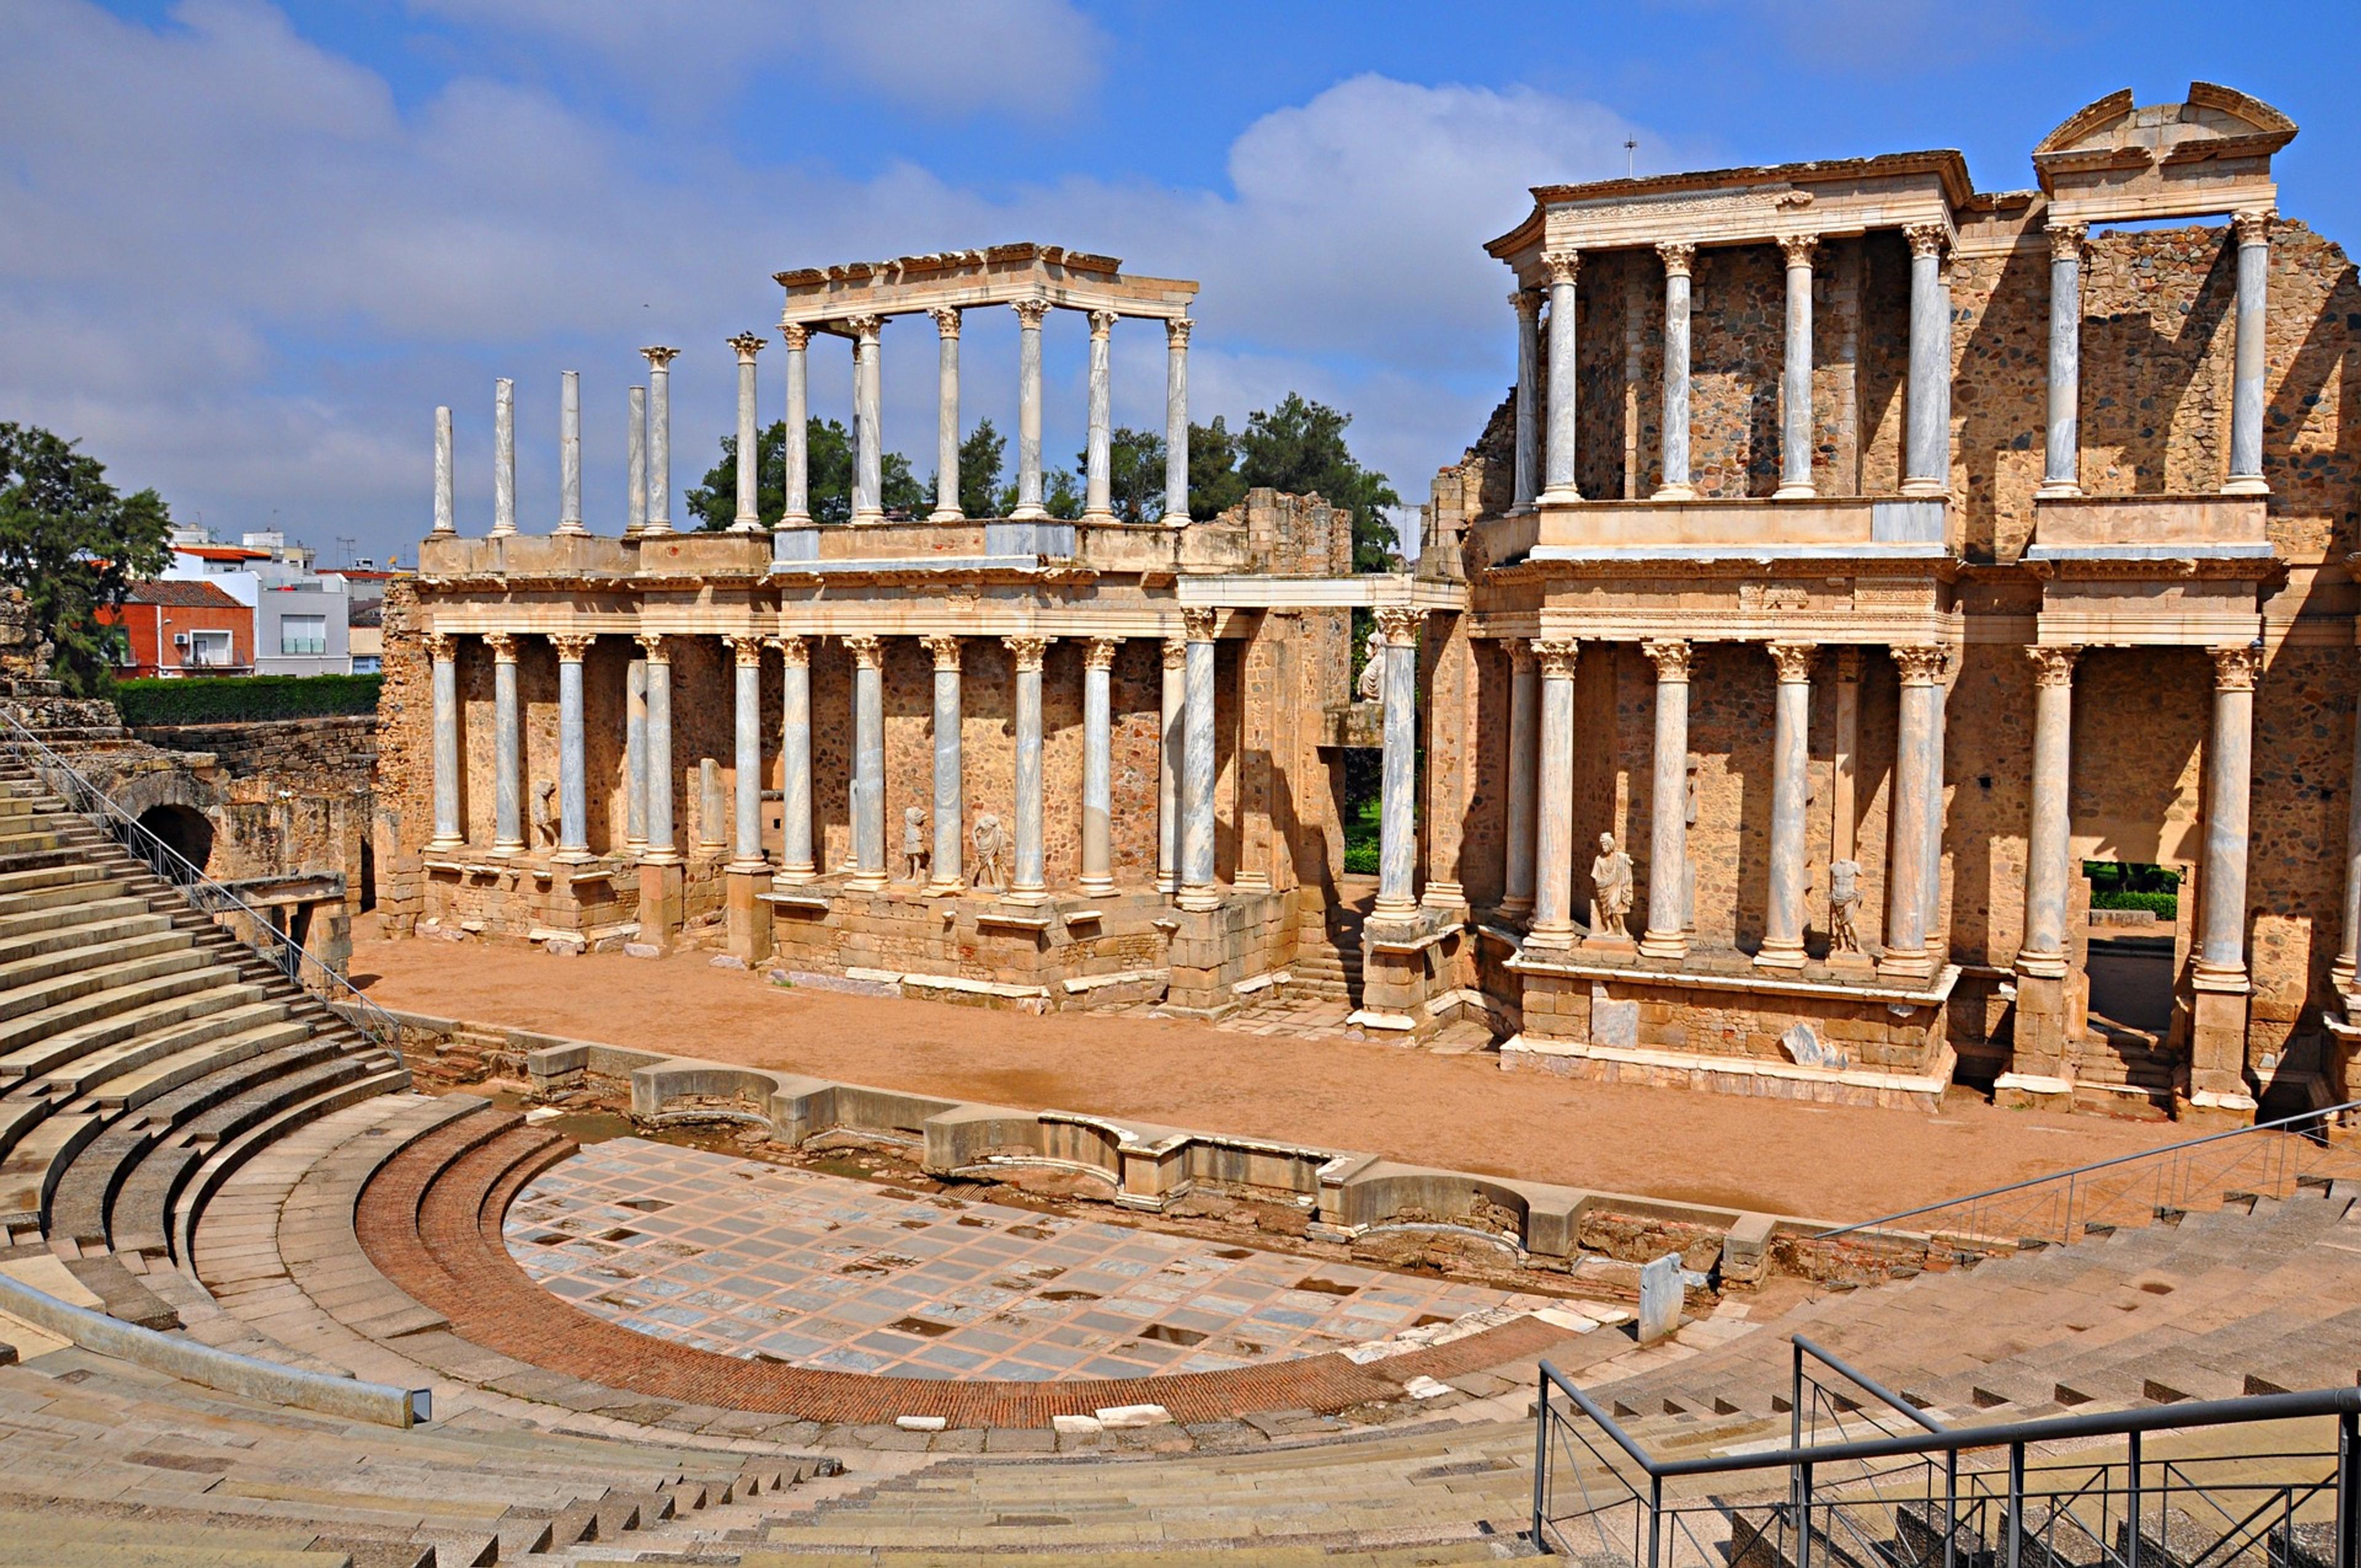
(126,1075)
(108,924)
(73,906)
(155,1004)
(19,976)
(37,1011)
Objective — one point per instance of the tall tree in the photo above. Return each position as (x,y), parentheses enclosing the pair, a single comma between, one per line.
(1135,474)
(981,456)
(827,478)
(1299,447)
(76,547)
(1214,486)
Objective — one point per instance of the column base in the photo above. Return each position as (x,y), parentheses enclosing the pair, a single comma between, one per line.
(867,517)
(948,888)
(795,876)
(1197,900)
(1665,947)
(1806,492)
(1779,955)
(661,858)
(1029,896)
(1033,514)
(1675,493)
(439,845)
(2041,965)
(746,868)
(1513,908)
(746,525)
(1908,965)
(2245,485)
(867,881)
(1177,519)
(1556,935)
(2342,977)
(572,528)
(947,514)
(1925,490)
(1443,895)
(655,530)
(635,849)
(1394,909)
(1560,498)
(796,520)
(1250,881)
(1096,886)
(2058,490)
(1101,517)
(707,848)
(501,533)
(508,846)
(1167,884)
(572,855)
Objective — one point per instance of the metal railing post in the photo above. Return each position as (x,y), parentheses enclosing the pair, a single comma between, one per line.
(1655,1520)
(2348,1490)
(2016,1504)
(1795,1397)
(1803,1515)
(2132,1553)
(1540,1461)
(1951,1508)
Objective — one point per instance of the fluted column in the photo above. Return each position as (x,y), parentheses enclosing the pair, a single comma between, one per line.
(443,654)
(1098,498)
(1908,900)
(503,457)
(868,762)
(1666,937)
(572,756)
(795,865)
(2049,864)
(1171,749)
(2229,776)
(1796,374)
(446,505)
(746,761)
(1027,885)
(1197,889)
(1926,443)
(1565,367)
(636,467)
(2254,230)
(951,809)
(1528,306)
(1782,923)
(660,849)
(635,757)
(1679,258)
(947,415)
(1399,627)
(1176,422)
(659,438)
(1524,761)
(569,452)
(1028,408)
(749,519)
(797,338)
(868,449)
(508,747)
(1553,923)
(2061,468)
(1098,764)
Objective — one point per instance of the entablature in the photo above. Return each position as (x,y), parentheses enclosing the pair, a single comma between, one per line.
(825,298)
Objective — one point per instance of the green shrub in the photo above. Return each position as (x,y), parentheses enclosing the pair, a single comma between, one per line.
(238,699)
(2163,905)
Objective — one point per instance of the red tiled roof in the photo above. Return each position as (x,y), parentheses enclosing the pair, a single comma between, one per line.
(221,552)
(196,594)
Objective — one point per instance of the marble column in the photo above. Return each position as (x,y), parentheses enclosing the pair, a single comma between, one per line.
(1560,448)
(1098,764)
(1176,420)
(947,416)
(796,863)
(2345,974)
(1553,923)
(443,652)
(1398,629)
(2049,857)
(868,432)
(659,438)
(1938,941)
(2229,773)
(660,849)
(748,518)
(1528,306)
(503,457)
(2061,468)
(569,452)
(1171,749)
(1028,409)
(1782,921)
(946,870)
(1027,884)
(1796,374)
(446,505)
(746,759)
(573,757)
(2254,230)
(1197,889)
(508,747)
(1524,761)
(1907,900)
(1666,938)
(635,468)
(868,762)
(1926,440)
(1679,258)
(797,338)
(1098,502)
(635,757)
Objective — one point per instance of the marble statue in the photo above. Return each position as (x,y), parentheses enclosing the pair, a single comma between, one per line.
(1610,881)
(914,842)
(1844,900)
(991,845)
(544,812)
(1371,686)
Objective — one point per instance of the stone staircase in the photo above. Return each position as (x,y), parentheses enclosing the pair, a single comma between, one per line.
(1328,957)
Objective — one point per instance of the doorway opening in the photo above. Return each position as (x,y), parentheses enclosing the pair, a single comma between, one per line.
(2129,968)
(184,831)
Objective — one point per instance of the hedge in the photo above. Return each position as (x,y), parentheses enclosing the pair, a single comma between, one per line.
(239,699)
(2163,905)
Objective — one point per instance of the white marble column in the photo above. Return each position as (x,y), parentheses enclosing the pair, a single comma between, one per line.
(1679,258)
(1526,472)
(1171,749)
(1927,437)
(797,338)
(1553,923)
(796,864)
(635,468)
(1783,922)
(635,757)
(1938,941)
(1907,898)
(2345,974)
(1666,937)
(2229,780)
(947,416)
(1398,630)
(1796,374)
(1028,409)
(569,452)
(1197,889)
(503,457)
(573,757)
(2254,231)
(660,849)
(2061,468)
(868,762)
(868,434)
(1524,766)
(1098,764)
(1027,885)
(446,505)
(508,747)
(1098,454)
(1176,422)
(1565,366)
(443,652)
(946,870)
(2048,853)
(659,438)
(748,518)
(746,760)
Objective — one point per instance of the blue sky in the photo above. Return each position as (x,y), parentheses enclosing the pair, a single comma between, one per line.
(245,248)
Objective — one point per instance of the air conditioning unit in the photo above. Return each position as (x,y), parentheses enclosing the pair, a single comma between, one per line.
(180,640)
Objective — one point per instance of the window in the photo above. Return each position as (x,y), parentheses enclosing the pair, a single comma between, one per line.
(302,634)
(367,665)
(209,650)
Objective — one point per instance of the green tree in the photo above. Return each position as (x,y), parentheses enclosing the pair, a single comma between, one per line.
(1299,448)
(76,547)
(827,478)
(1214,484)
(981,456)
(1135,474)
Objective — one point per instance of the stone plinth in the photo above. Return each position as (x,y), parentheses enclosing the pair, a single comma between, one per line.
(1413,974)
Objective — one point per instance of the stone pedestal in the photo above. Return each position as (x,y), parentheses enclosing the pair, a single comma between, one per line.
(2217,1046)
(660,910)
(750,916)
(2041,1070)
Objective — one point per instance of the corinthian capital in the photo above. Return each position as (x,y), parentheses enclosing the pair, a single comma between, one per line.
(572,646)
(1176,331)
(2053,666)
(865,328)
(1795,661)
(1927,239)
(748,345)
(655,645)
(1678,255)
(1671,657)
(2067,241)
(1099,652)
(441,646)
(797,336)
(945,649)
(1557,655)
(1176,652)
(1562,266)
(2236,669)
(748,647)
(1400,625)
(659,356)
(503,646)
(795,652)
(1025,651)
(1198,623)
(1798,247)
(1030,314)
(868,652)
(1102,323)
(2253,224)
(1920,664)
(947,319)
(1526,304)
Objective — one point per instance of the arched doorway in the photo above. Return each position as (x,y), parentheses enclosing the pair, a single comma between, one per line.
(183,829)
(368,877)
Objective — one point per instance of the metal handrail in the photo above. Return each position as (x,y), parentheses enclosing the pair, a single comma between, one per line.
(205,894)
(1854,1376)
